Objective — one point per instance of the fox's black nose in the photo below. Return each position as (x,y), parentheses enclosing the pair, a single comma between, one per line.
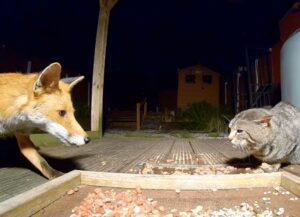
(87,140)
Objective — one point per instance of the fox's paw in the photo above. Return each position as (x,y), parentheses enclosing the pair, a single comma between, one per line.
(54,174)
(49,172)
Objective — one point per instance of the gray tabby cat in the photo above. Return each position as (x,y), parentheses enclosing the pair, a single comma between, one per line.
(270,135)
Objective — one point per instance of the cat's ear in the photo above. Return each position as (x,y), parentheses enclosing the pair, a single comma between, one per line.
(264,121)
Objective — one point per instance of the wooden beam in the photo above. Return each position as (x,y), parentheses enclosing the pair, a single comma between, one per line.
(109,4)
(138,116)
(291,183)
(180,182)
(99,65)
(45,194)
(29,202)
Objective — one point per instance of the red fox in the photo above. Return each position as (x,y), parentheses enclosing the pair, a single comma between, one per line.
(42,101)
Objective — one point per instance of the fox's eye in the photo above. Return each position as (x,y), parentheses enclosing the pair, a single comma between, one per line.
(239,131)
(62,113)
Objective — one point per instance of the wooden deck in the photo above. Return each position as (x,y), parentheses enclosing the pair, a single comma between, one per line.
(124,155)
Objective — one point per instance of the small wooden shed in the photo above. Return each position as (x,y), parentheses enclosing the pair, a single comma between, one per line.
(198,83)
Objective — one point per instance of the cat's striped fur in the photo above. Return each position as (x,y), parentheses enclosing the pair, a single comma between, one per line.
(271,135)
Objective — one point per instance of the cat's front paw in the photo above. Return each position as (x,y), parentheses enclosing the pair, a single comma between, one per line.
(268,168)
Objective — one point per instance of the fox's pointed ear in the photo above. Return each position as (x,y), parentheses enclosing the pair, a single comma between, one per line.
(49,78)
(72,81)
(264,121)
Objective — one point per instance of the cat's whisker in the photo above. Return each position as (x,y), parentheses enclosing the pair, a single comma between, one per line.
(246,149)
(226,142)
(242,148)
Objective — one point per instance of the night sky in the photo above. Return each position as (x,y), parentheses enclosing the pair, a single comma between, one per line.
(147,41)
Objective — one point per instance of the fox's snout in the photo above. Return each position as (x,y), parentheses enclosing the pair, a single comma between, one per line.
(77,140)
(87,140)
(80,141)
(70,134)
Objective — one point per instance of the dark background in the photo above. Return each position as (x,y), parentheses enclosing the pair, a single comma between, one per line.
(148,41)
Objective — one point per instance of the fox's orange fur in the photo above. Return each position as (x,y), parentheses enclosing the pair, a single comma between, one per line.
(39,101)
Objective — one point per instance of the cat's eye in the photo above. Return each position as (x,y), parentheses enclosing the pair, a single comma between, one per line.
(62,113)
(239,131)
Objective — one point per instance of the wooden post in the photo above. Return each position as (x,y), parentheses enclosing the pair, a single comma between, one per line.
(138,116)
(145,109)
(99,65)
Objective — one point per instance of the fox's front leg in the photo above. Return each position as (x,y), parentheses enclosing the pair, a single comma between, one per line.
(29,151)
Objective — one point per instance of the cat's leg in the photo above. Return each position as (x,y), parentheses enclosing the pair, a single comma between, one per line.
(270,167)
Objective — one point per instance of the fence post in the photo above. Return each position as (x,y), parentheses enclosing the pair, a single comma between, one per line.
(138,116)
(145,110)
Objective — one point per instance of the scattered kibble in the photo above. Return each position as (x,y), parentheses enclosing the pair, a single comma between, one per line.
(294,198)
(279,211)
(149,168)
(70,192)
(76,189)
(134,204)
(265,198)
(111,203)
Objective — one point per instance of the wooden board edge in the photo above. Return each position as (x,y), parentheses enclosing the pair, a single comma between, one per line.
(188,182)
(31,201)
(291,182)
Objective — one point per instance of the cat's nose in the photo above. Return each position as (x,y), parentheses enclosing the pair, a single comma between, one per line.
(231,135)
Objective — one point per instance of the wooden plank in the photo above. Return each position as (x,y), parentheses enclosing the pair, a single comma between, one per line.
(154,152)
(108,3)
(291,183)
(99,65)
(15,180)
(30,202)
(293,169)
(98,71)
(138,116)
(181,182)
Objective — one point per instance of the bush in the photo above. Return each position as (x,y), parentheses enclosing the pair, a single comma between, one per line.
(216,125)
(202,116)
(81,110)
(82,114)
